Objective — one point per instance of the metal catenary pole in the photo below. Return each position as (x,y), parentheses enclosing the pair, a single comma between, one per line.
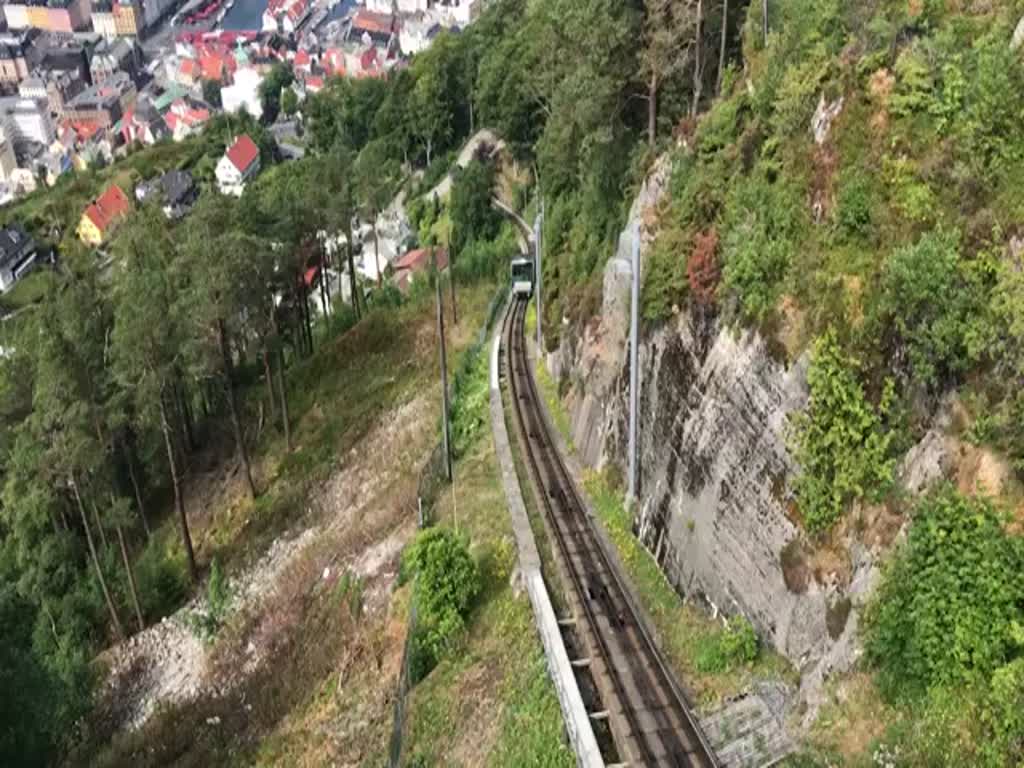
(538,246)
(634,373)
(446,438)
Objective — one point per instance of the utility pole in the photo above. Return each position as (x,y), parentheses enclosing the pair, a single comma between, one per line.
(538,234)
(764,21)
(451,273)
(634,373)
(446,438)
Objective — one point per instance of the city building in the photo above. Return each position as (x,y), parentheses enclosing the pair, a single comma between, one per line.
(128,18)
(102,105)
(402,6)
(14,60)
(60,53)
(27,120)
(8,160)
(103,20)
(417,33)
(102,216)
(244,92)
(175,190)
(285,16)
(240,164)
(49,15)
(185,118)
(18,255)
(113,56)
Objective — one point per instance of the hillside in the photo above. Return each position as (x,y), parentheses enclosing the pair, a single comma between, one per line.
(208,485)
(831,347)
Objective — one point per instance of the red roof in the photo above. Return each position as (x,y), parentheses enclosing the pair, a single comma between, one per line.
(314,83)
(420,259)
(302,59)
(372,22)
(109,207)
(189,67)
(334,61)
(243,153)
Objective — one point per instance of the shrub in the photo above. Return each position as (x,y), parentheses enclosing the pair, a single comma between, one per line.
(162,582)
(762,221)
(702,270)
(447,582)
(925,302)
(207,622)
(854,203)
(840,442)
(734,646)
(950,608)
(664,278)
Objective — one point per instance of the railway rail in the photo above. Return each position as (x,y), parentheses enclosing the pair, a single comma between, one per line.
(647,713)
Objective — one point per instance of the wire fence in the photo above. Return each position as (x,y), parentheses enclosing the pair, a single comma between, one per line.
(433,480)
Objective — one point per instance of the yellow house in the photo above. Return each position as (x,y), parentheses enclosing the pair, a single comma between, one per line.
(100,218)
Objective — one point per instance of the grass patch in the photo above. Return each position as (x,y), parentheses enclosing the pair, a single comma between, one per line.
(549,391)
(489,701)
(26,291)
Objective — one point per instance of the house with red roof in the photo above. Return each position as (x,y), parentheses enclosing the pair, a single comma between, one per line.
(302,61)
(418,261)
(240,164)
(102,215)
(333,62)
(185,118)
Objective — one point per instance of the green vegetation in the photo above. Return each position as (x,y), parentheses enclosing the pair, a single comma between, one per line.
(445,583)
(841,443)
(490,700)
(946,632)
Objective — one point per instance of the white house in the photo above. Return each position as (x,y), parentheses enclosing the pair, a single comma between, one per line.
(245,91)
(240,164)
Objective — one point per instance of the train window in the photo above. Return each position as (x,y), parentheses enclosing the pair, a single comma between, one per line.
(522,270)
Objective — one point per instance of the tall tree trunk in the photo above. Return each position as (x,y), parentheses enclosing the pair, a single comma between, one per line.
(764,21)
(652,110)
(721,50)
(132,589)
(114,618)
(229,390)
(352,269)
(698,61)
(181,401)
(451,282)
(179,500)
(376,251)
(99,526)
(270,384)
(129,457)
(284,400)
(308,314)
(430,147)
(323,294)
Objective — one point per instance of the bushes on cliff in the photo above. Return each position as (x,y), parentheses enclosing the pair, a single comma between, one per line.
(734,646)
(841,441)
(927,304)
(946,631)
(762,223)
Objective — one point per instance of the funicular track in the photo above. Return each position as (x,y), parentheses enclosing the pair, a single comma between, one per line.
(647,713)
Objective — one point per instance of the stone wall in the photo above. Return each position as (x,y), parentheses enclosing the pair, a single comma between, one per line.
(715,472)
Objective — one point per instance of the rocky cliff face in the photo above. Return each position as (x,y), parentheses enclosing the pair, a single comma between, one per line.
(715,472)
